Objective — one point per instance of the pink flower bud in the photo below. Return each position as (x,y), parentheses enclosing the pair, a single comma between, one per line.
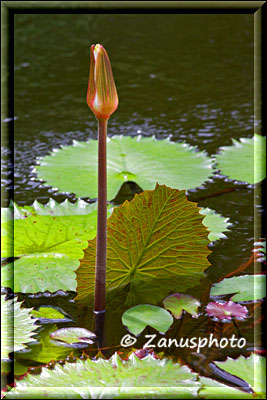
(102,95)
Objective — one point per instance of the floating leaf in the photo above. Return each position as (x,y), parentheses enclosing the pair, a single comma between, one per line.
(139,317)
(73,335)
(48,312)
(215,223)
(142,160)
(244,161)
(17,326)
(246,287)
(216,390)
(49,247)
(146,378)
(80,207)
(178,302)
(226,310)
(158,235)
(251,369)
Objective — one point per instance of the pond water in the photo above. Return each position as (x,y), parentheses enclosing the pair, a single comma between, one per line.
(188,76)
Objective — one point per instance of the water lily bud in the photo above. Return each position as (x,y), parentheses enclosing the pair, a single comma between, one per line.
(102,95)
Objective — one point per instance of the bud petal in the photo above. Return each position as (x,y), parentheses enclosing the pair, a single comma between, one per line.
(102,95)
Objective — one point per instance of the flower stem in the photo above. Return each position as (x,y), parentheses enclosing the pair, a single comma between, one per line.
(101,239)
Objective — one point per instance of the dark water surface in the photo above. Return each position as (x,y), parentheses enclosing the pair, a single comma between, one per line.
(188,76)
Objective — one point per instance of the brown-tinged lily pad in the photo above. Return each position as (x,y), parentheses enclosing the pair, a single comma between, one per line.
(177,303)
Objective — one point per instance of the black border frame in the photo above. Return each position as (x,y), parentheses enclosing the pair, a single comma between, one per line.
(10,8)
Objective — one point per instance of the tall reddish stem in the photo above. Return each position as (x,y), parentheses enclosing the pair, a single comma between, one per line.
(101,239)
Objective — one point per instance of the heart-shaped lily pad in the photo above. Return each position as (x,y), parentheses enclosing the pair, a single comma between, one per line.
(138,317)
(157,237)
(178,302)
(145,161)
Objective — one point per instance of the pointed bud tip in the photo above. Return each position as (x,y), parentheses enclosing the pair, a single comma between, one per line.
(102,97)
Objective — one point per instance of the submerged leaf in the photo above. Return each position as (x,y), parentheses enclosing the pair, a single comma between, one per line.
(139,317)
(178,302)
(244,161)
(142,160)
(17,326)
(215,223)
(146,378)
(158,236)
(246,287)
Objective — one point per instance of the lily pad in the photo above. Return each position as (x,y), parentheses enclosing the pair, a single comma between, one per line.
(48,313)
(145,161)
(80,207)
(245,160)
(251,369)
(48,241)
(157,236)
(146,378)
(246,287)
(73,335)
(17,326)
(215,223)
(178,302)
(139,317)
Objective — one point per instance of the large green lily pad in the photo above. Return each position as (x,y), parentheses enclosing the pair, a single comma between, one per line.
(139,317)
(145,161)
(17,326)
(48,241)
(80,207)
(246,287)
(245,160)
(146,378)
(157,236)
